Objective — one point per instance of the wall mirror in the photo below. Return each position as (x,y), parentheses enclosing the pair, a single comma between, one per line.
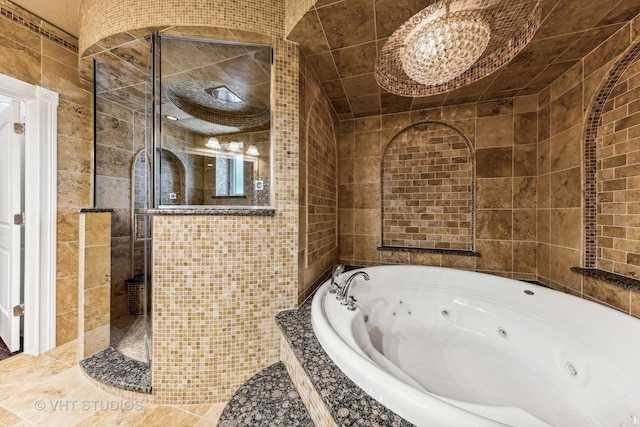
(212,115)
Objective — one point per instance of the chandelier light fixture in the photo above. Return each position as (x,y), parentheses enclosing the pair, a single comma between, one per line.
(452,43)
(441,50)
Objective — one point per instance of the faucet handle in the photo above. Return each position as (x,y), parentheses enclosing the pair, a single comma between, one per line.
(337,270)
(350,302)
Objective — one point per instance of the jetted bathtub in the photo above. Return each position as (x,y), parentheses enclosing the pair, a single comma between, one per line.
(445,347)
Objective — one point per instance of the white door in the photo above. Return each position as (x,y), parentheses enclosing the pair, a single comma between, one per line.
(10,233)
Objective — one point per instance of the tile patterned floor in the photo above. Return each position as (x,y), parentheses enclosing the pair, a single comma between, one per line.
(127,336)
(50,390)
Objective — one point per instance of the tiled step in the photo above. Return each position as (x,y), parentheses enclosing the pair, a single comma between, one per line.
(112,368)
(267,399)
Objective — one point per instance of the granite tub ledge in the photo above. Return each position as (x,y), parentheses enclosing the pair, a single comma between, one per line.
(347,403)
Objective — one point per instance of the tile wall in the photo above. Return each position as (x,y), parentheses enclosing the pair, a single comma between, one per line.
(318,238)
(94,320)
(102,19)
(119,138)
(566,107)
(503,135)
(42,55)
(220,280)
(427,189)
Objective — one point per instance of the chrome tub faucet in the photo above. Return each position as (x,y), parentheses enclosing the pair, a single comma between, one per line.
(343,295)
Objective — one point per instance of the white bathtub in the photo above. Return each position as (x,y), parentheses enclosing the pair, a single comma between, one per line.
(444,347)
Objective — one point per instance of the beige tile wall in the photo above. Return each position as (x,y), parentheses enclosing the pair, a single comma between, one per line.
(563,110)
(220,280)
(104,18)
(505,185)
(318,202)
(27,55)
(618,177)
(94,283)
(118,139)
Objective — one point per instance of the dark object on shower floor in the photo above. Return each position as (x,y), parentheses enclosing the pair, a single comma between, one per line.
(135,294)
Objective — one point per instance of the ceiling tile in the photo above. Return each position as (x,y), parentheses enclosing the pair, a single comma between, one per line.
(348,23)
(361,85)
(551,73)
(341,106)
(365,105)
(333,89)
(587,41)
(390,103)
(622,12)
(391,14)
(573,16)
(356,60)
(308,33)
(323,66)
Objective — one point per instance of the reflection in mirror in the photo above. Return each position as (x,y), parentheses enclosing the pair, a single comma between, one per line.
(215,119)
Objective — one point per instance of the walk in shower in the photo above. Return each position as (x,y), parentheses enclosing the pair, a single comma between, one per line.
(178,123)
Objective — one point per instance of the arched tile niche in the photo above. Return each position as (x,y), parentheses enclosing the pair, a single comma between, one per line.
(428,185)
(612,171)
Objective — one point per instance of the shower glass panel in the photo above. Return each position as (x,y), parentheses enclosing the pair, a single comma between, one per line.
(123,183)
(213,128)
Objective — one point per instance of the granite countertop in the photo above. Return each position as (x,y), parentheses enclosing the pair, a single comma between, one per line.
(211,210)
(348,404)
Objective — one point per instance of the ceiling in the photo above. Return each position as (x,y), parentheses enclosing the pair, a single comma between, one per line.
(340,40)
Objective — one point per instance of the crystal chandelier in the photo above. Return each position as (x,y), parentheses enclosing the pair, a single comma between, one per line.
(441,50)
(453,43)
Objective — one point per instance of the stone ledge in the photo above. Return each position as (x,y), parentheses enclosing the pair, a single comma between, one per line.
(609,277)
(458,252)
(347,403)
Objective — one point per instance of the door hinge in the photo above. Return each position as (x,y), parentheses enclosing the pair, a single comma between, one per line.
(18,128)
(18,219)
(18,310)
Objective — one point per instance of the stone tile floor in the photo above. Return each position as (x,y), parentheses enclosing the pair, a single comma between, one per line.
(127,336)
(50,390)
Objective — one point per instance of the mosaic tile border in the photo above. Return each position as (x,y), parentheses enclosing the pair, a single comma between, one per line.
(34,23)
(594,120)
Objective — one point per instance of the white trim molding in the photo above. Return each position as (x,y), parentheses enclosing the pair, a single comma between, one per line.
(40,211)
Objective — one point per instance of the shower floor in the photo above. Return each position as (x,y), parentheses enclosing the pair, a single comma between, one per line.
(127,336)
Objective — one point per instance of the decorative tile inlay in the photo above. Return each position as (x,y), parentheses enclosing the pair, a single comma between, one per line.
(38,26)
(594,121)
(428,183)
(613,278)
